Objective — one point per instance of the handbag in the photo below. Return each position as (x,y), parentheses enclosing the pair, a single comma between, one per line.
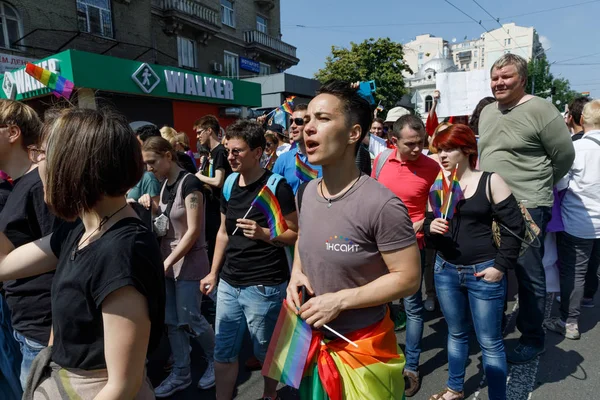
(531,229)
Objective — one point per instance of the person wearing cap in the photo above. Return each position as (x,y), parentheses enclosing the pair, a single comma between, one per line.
(282,146)
(392,116)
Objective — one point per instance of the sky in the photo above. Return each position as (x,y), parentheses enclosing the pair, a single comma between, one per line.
(570,35)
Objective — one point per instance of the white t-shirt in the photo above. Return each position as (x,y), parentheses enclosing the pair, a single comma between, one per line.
(282,149)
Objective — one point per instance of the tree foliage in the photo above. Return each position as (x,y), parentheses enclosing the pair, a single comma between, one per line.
(545,81)
(381,60)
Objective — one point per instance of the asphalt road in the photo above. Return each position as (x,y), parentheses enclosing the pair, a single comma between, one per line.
(568,369)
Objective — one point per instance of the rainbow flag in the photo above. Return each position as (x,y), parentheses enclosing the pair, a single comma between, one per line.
(288,349)
(59,85)
(437,194)
(305,172)
(453,196)
(380,107)
(337,370)
(267,203)
(271,162)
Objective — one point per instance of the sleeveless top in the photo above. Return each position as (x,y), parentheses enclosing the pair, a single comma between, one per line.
(194,265)
(469,237)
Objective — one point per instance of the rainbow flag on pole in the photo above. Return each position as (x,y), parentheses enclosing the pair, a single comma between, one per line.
(437,194)
(305,172)
(59,85)
(453,196)
(267,203)
(288,349)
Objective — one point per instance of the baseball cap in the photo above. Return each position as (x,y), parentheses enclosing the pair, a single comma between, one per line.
(395,113)
(276,128)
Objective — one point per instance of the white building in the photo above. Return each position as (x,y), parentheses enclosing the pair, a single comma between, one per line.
(513,39)
(423,49)
(469,54)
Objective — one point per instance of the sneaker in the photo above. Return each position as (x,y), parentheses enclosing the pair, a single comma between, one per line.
(522,354)
(412,383)
(174,383)
(208,379)
(430,304)
(587,303)
(569,331)
(400,321)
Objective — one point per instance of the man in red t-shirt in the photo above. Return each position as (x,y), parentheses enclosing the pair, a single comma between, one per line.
(409,175)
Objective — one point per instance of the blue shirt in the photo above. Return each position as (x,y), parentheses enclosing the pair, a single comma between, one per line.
(286,167)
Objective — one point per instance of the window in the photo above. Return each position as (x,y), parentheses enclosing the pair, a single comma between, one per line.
(94,16)
(420,56)
(475,65)
(186,52)
(227,14)
(265,69)
(261,24)
(506,42)
(232,65)
(9,26)
(428,103)
(475,53)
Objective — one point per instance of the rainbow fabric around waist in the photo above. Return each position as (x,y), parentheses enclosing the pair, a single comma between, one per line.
(336,370)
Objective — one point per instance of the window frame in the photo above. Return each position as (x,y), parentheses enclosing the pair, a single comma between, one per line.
(428,103)
(265,69)
(266,24)
(230,13)
(180,40)
(85,4)
(237,64)
(4,19)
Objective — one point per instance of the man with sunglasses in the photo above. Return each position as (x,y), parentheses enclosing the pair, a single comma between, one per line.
(286,163)
(25,218)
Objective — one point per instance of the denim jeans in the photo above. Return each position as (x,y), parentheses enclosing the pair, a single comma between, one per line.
(531,278)
(29,351)
(184,321)
(413,305)
(577,257)
(254,306)
(468,301)
(10,357)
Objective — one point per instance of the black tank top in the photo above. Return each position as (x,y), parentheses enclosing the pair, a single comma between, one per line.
(469,238)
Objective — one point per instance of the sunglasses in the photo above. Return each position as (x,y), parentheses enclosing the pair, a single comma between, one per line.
(35,154)
(298,121)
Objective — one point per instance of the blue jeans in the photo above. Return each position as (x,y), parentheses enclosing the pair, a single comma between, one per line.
(413,305)
(10,357)
(255,306)
(184,320)
(532,285)
(29,351)
(461,296)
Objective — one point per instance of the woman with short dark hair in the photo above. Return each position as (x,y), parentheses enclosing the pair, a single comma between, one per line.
(108,290)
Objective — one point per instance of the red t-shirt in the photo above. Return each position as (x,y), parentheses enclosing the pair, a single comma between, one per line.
(410,181)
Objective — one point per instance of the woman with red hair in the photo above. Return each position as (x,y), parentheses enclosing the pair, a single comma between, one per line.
(469,270)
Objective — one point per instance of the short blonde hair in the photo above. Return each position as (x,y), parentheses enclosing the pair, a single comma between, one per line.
(591,114)
(440,127)
(183,140)
(168,133)
(512,59)
(21,115)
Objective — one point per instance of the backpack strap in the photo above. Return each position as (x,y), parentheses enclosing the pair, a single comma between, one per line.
(228,185)
(299,195)
(273,181)
(593,140)
(383,157)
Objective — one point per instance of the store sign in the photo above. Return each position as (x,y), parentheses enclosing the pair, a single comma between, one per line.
(249,65)
(197,85)
(9,62)
(146,78)
(20,82)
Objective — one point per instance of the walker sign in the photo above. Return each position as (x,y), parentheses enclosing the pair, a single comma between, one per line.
(197,85)
(19,82)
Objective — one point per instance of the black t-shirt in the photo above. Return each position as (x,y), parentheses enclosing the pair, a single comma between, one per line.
(186,162)
(251,262)
(26,218)
(213,205)
(126,255)
(190,184)
(219,159)
(5,189)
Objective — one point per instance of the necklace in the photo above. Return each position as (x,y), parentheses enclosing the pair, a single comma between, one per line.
(339,196)
(102,223)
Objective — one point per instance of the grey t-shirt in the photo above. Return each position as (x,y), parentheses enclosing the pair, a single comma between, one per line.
(340,245)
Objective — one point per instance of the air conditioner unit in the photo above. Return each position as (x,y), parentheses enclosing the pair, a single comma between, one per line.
(217,67)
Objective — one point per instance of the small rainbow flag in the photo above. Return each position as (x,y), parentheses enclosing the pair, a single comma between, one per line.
(380,107)
(437,194)
(453,196)
(271,162)
(304,172)
(59,85)
(288,350)
(288,104)
(267,203)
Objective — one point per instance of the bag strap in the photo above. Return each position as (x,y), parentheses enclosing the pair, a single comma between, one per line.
(301,190)
(228,185)
(383,157)
(173,193)
(593,140)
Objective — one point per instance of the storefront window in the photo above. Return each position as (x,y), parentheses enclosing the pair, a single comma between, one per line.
(9,26)
(227,15)
(231,62)
(94,16)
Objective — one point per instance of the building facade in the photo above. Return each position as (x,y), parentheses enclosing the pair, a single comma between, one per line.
(423,49)
(233,39)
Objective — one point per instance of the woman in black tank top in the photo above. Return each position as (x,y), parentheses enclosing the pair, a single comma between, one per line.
(469,270)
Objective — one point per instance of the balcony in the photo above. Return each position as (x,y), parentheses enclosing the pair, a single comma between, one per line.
(189,12)
(464,55)
(265,4)
(265,43)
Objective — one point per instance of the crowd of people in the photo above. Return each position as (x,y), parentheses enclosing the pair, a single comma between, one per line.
(111,239)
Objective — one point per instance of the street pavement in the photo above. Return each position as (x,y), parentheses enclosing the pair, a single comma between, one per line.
(568,369)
